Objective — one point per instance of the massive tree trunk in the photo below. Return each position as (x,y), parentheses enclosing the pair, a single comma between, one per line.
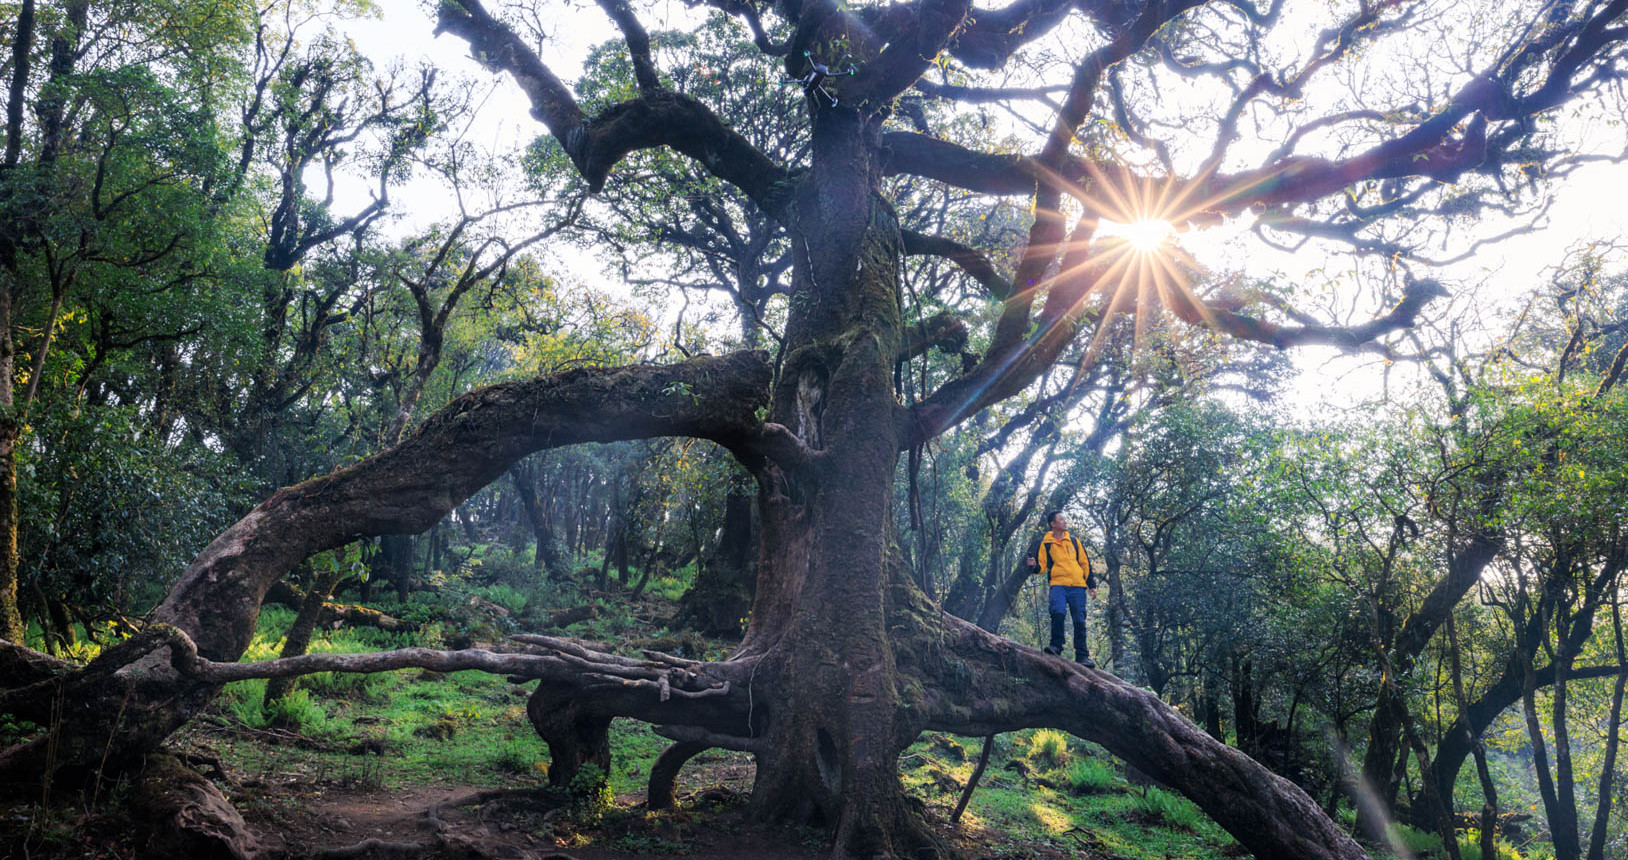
(832,737)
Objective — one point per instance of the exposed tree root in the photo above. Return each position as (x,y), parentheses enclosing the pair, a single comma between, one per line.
(444,845)
(664,773)
(443,848)
(187,816)
(974,684)
(476,798)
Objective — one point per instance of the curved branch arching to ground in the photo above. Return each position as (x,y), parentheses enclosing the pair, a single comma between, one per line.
(124,710)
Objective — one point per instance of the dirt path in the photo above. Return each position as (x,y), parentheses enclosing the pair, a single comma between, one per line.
(304,823)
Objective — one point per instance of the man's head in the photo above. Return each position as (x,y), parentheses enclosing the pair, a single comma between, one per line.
(1057,521)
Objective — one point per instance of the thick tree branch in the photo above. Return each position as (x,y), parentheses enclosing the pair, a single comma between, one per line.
(595,146)
(1196,311)
(638,43)
(981,95)
(1014,687)
(993,36)
(944,331)
(975,264)
(952,164)
(454,453)
(1015,360)
(917,45)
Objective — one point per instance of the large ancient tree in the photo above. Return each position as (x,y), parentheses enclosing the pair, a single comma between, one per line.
(845,661)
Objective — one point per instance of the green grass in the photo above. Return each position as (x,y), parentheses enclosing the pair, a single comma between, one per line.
(1109,819)
(1172,809)
(410,727)
(1427,846)
(504,595)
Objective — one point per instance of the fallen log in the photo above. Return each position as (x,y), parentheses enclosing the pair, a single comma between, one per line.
(567,617)
(334,614)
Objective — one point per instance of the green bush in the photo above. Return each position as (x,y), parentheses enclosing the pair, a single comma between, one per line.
(1090,776)
(1049,747)
(504,595)
(1413,839)
(297,712)
(516,759)
(1469,848)
(353,686)
(667,587)
(1172,809)
(591,794)
(242,699)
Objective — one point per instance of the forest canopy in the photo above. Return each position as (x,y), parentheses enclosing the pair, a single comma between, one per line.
(795,318)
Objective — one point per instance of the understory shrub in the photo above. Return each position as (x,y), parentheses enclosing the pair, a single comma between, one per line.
(1090,776)
(1049,747)
(1172,809)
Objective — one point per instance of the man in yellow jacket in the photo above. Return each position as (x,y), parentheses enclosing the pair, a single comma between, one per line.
(1072,579)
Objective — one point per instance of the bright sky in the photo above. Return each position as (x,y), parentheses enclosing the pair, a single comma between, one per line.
(1587,206)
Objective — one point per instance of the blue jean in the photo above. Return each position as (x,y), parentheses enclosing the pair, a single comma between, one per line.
(1065,601)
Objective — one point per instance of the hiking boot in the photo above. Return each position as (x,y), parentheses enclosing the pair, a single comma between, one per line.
(1087,662)
(1053,650)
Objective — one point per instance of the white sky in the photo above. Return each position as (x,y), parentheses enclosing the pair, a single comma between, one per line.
(1587,205)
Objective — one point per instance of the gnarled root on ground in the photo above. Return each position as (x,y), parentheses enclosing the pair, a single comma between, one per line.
(185,815)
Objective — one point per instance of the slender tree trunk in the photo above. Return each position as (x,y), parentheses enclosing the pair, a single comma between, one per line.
(1212,710)
(1540,751)
(972,781)
(720,599)
(1441,808)
(1116,602)
(11,620)
(1489,789)
(1564,829)
(1608,765)
(298,639)
(547,556)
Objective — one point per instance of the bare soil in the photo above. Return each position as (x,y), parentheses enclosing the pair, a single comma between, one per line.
(295,820)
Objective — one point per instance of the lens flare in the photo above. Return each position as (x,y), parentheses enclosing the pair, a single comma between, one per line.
(1145,236)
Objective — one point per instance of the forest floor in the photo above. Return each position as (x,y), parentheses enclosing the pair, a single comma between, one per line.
(450,763)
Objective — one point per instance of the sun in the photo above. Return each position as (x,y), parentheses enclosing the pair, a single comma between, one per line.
(1145,236)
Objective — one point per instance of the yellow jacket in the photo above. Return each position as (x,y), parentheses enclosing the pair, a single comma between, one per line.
(1065,560)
